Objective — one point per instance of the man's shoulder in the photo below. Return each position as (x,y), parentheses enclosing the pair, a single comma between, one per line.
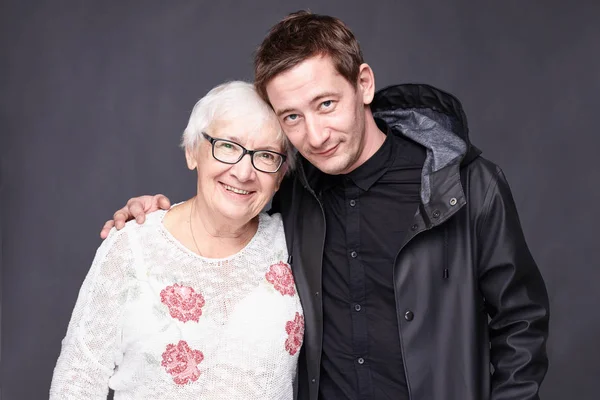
(484,180)
(482,168)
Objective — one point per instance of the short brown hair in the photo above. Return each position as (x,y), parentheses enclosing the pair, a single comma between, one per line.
(302,35)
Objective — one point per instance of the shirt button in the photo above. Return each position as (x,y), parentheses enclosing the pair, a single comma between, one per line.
(357,307)
(313,380)
(352,203)
(317,293)
(414,227)
(353,254)
(361,361)
(409,315)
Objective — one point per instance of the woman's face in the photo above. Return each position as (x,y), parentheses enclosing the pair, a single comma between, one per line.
(236,192)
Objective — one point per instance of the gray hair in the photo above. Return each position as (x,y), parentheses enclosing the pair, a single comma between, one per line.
(228,101)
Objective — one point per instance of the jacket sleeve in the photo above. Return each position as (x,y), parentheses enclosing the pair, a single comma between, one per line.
(91,348)
(515,296)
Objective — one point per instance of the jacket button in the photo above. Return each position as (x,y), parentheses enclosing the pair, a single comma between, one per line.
(414,227)
(409,315)
(361,361)
(313,380)
(353,254)
(453,201)
(352,203)
(357,307)
(436,214)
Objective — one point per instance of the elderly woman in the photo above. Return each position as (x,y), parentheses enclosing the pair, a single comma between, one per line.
(198,303)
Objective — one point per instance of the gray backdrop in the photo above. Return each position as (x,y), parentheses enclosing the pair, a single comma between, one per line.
(94,96)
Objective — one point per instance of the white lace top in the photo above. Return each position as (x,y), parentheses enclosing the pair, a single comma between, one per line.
(156,321)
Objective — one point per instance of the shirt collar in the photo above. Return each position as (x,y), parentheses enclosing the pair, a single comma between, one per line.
(371,170)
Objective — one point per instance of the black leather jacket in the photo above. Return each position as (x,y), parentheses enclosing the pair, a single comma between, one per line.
(468,292)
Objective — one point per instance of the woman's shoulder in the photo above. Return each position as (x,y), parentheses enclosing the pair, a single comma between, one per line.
(133,229)
(270,231)
(271,221)
(153,219)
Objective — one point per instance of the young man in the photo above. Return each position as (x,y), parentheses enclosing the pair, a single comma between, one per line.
(405,243)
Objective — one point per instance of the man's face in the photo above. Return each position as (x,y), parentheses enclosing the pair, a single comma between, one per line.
(322,114)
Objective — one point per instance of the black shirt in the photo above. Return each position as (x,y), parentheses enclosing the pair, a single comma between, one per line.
(368,213)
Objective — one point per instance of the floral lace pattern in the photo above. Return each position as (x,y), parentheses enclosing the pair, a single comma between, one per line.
(182,362)
(295,331)
(183,302)
(280,275)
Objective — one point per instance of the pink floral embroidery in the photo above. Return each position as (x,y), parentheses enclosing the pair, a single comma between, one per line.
(280,275)
(183,302)
(182,362)
(295,331)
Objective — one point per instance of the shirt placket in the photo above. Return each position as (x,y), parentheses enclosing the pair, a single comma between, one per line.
(357,289)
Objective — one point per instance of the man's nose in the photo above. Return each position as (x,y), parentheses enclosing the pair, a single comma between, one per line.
(315,133)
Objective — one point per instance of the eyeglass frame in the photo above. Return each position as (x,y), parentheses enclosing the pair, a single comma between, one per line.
(245,151)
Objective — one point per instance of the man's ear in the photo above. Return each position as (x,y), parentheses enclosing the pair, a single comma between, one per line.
(366,83)
(190,158)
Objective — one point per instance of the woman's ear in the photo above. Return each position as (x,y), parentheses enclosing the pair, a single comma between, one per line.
(190,158)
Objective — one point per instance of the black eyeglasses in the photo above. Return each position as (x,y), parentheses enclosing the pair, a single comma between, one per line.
(229,152)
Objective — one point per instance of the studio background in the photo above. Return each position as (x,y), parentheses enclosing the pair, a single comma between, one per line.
(94,96)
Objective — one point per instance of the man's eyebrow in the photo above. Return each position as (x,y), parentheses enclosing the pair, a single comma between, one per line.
(322,96)
(284,111)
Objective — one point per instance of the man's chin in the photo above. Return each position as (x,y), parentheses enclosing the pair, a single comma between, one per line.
(333,166)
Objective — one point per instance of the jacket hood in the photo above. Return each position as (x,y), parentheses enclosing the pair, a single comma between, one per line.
(431,117)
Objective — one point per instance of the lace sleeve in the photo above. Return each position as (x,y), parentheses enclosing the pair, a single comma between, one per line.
(91,348)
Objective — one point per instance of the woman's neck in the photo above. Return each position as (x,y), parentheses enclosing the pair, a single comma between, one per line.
(216,237)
